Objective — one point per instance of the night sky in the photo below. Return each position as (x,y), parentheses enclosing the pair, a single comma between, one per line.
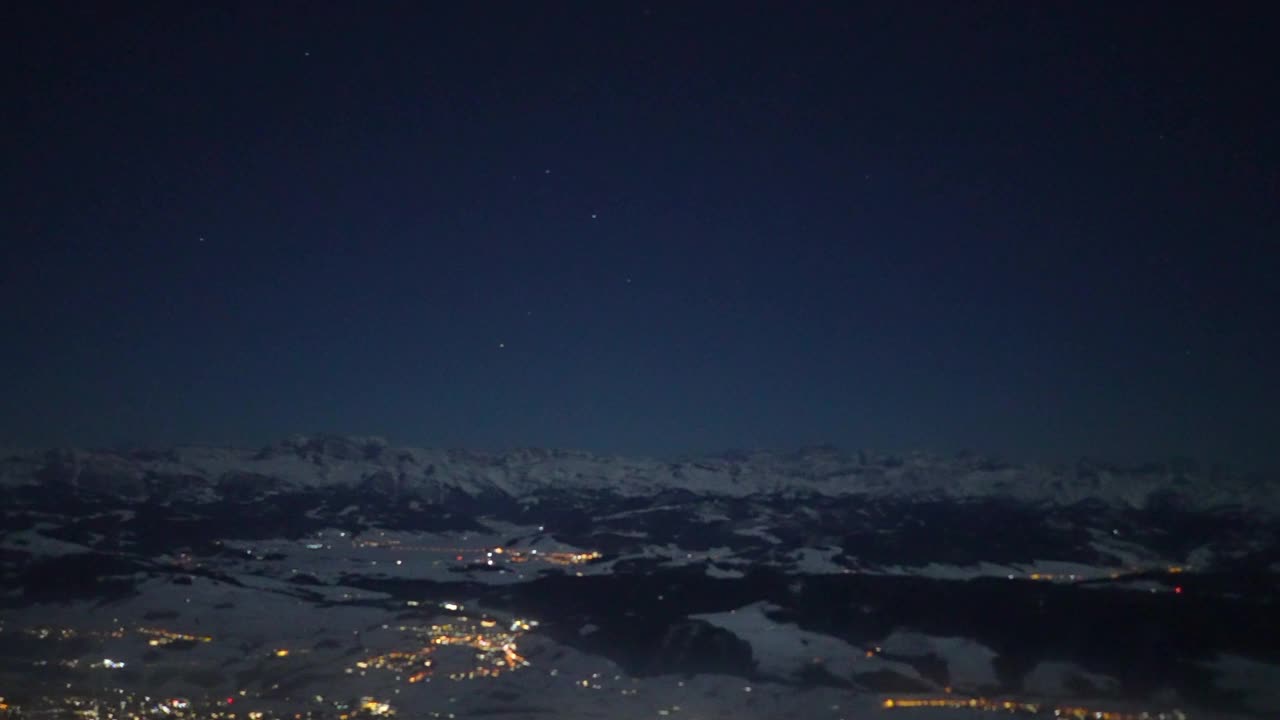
(652,228)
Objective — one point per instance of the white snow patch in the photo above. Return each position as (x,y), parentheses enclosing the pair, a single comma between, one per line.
(718,572)
(33,542)
(783,649)
(969,663)
(1061,679)
(1260,682)
(761,532)
(819,561)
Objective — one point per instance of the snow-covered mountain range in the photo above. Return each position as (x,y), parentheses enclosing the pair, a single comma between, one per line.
(320,461)
(823,579)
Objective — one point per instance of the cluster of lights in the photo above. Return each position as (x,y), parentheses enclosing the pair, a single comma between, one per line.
(563,558)
(492,555)
(121,706)
(495,646)
(376,707)
(494,643)
(67,633)
(417,662)
(501,554)
(1071,713)
(160,637)
(383,543)
(1114,575)
(127,706)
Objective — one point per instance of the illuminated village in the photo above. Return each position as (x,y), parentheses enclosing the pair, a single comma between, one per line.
(345,617)
(461,645)
(1035,709)
(490,648)
(480,647)
(453,643)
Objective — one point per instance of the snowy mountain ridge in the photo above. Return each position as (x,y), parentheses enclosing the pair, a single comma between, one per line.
(320,461)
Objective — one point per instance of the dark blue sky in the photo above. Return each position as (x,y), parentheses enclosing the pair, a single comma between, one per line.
(650,227)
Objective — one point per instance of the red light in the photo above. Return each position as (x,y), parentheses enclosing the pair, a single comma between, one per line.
(459,558)
(1177,590)
(231,700)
